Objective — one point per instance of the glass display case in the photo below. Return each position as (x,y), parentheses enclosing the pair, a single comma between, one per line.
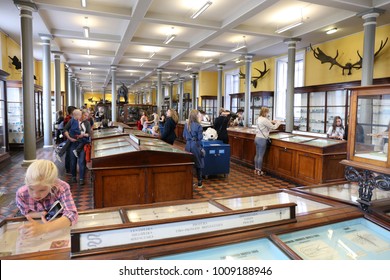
(259,249)
(258,99)
(304,205)
(369,126)
(4,155)
(15,113)
(344,192)
(138,234)
(13,246)
(357,239)
(108,133)
(209,105)
(316,106)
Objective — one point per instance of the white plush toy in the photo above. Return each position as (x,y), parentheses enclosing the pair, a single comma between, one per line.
(210,134)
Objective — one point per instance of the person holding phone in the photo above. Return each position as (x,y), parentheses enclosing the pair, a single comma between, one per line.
(42,191)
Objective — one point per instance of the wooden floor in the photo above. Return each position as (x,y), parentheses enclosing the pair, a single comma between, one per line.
(241,180)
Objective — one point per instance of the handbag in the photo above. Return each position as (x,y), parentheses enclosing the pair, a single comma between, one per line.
(269,141)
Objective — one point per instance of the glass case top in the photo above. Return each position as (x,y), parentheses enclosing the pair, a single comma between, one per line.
(165,148)
(106,132)
(347,192)
(114,151)
(259,249)
(357,239)
(174,211)
(140,133)
(297,139)
(322,142)
(280,135)
(108,145)
(303,205)
(88,220)
(11,242)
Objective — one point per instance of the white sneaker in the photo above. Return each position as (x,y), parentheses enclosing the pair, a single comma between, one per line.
(75,153)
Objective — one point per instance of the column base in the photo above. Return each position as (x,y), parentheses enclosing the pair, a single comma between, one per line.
(27,163)
(47,146)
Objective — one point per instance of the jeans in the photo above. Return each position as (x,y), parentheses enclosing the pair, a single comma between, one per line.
(261,147)
(73,161)
(67,159)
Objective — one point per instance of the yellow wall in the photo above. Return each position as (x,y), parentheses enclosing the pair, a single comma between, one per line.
(317,73)
(10,48)
(208,83)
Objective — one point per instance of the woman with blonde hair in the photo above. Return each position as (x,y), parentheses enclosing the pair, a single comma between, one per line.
(193,134)
(263,127)
(42,190)
(168,132)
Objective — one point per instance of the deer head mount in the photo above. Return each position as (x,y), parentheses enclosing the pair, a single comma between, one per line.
(324,58)
(254,79)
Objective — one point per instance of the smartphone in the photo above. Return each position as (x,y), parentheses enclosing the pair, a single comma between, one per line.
(55,209)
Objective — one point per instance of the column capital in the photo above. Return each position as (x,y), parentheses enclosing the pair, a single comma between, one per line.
(291,40)
(181,79)
(57,54)
(193,75)
(371,13)
(220,66)
(159,70)
(113,68)
(26,5)
(248,57)
(46,37)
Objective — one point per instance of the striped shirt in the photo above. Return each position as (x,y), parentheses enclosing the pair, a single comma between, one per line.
(60,191)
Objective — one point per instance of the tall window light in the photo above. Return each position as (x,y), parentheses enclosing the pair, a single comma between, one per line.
(281,82)
(232,85)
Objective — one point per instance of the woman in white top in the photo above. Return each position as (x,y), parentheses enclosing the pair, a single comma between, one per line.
(263,127)
(336,131)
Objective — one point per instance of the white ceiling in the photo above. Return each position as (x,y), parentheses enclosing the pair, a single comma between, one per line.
(125,33)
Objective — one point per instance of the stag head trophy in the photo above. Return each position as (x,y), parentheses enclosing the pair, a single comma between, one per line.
(254,79)
(324,58)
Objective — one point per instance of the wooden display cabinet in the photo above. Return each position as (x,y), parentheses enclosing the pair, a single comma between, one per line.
(133,112)
(300,159)
(130,170)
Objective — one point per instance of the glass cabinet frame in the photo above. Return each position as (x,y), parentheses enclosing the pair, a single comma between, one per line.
(258,99)
(209,105)
(370,116)
(316,106)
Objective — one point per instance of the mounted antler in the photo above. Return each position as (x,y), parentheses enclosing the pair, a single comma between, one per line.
(254,79)
(262,73)
(324,58)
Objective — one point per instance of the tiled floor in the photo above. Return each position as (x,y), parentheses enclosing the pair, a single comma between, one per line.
(241,180)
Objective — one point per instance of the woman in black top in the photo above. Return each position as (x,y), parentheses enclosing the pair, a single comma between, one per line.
(168,135)
(221,124)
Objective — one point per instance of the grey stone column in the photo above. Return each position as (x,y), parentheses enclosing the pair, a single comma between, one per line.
(180,105)
(75,99)
(26,10)
(66,87)
(292,44)
(369,47)
(104,95)
(47,113)
(81,95)
(113,92)
(159,94)
(193,96)
(247,98)
(57,80)
(170,95)
(219,89)
(70,90)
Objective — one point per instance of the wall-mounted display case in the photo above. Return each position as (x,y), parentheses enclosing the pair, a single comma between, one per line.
(135,170)
(258,99)
(15,113)
(4,148)
(356,239)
